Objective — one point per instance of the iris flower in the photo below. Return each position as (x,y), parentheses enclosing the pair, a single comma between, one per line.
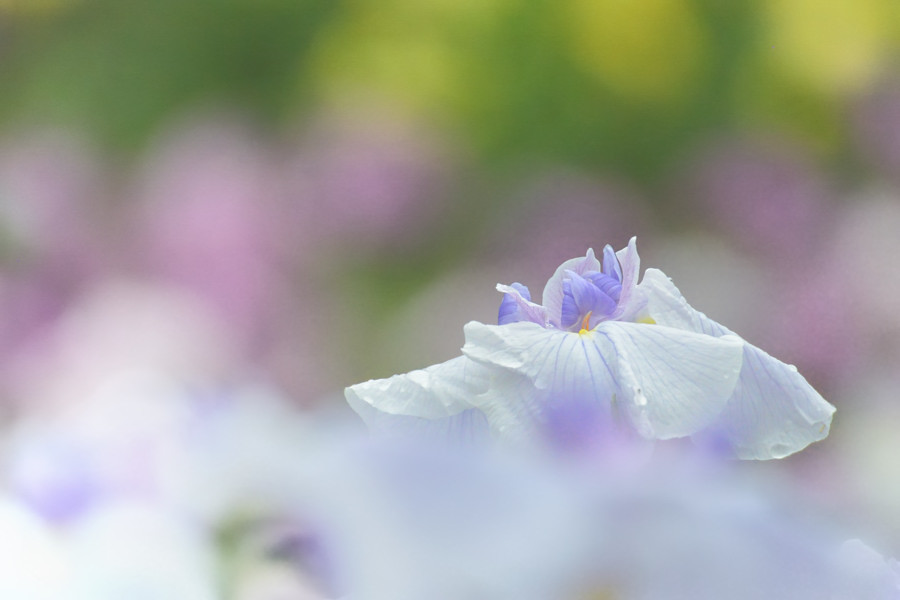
(636,352)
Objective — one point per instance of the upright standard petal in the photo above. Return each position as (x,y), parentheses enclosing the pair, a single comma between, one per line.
(661,381)
(630,299)
(773,411)
(552,297)
(583,297)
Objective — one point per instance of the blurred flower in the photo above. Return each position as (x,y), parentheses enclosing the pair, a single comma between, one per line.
(817,322)
(557,214)
(734,540)
(876,126)
(117,329)
(132,550)
(118,551)
(639,351)
(763,193)
(33,562)
(134,484)
(52,230)
(209,220)
(371,177)
(409,521)
(213,220)
(412,520)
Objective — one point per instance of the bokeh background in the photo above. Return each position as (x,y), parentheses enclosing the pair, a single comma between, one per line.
(303,194)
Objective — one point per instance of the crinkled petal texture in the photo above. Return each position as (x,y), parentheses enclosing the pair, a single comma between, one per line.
(660,381)
(773,411)
(432,401)
(664,382)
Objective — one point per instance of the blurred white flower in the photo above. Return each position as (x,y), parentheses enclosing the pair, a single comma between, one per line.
(33,562)
(415,519)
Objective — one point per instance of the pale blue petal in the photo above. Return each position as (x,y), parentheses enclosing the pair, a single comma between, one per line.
(552,298)
(611,263)
(532,367)
(773,412)
(631,301)
(675,381)
(664,382)
(437,392)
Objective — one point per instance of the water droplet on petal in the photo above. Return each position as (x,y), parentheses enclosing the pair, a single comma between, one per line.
(639,398)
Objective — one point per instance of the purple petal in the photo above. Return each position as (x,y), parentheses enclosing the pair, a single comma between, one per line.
(581,297)
(607,284)
(570,313)
(517,306)
(552,297)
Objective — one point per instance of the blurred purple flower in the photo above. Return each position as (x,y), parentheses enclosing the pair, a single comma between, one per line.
(764,193)
(410,521)
(557,215)
(120,328)
(817,323)
(876,127)
(373,179)
(53,230)
(414,520)
(209,220)
(51,475)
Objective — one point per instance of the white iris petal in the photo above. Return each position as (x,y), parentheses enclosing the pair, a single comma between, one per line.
(439,391)
(669,383)
(773,411)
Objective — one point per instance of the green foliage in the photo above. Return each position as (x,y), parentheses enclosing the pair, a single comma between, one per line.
(505,75)
(119,67)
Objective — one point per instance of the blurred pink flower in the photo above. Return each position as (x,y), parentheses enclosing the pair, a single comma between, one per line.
(51,202)
(363,178)
(117,328)
(876,127)
(556,216)
(816,324)
(764,193)
(209,220)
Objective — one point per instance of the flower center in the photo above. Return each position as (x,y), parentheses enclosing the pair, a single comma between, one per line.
(588,299)
(585,324)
